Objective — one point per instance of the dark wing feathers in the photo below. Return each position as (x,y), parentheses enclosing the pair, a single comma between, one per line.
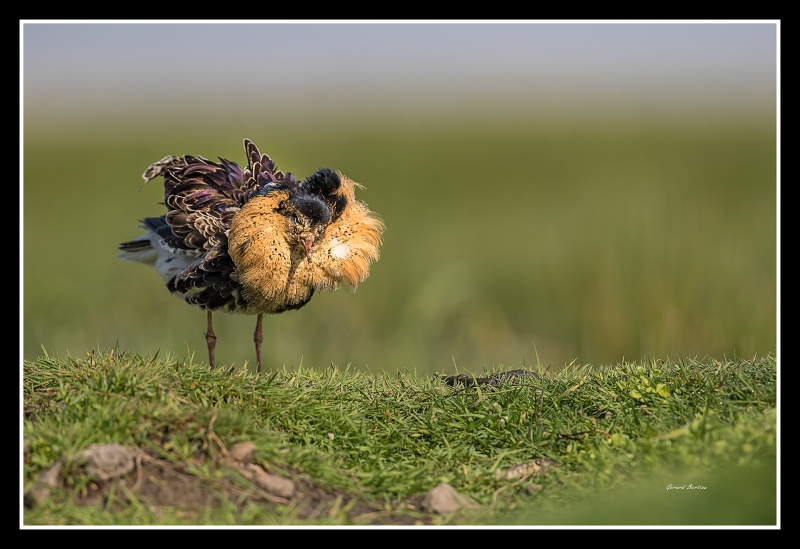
(210,283)
(201,197)
(263,171)
(158,225)
(258,163)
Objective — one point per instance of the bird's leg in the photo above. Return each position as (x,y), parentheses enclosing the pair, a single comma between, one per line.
(258,338)
(211,341)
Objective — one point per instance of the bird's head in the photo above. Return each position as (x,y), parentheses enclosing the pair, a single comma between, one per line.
(307,216)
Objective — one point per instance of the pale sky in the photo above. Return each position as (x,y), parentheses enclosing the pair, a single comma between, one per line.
(69,65)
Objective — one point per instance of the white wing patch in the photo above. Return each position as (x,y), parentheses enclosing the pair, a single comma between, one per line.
(340,251)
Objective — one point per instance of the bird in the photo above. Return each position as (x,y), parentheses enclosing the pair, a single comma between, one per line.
(254,240)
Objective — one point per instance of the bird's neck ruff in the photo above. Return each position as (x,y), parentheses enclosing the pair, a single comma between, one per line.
(272,267)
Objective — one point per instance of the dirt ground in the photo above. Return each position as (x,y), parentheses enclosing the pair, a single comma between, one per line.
(161,485)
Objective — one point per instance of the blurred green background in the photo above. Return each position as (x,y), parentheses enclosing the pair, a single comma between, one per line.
(599,211)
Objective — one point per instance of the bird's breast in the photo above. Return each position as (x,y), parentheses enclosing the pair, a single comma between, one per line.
(271,268)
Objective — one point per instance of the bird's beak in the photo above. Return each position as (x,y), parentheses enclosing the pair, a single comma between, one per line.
(307,241)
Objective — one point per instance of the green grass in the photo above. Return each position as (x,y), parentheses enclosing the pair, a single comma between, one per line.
(596,239)
(375,444)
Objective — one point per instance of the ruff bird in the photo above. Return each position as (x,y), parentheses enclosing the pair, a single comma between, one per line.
(254,240)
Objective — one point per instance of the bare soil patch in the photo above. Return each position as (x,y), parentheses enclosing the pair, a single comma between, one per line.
(163,486)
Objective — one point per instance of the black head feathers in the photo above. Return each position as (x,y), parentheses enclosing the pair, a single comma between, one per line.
(326,183)
(311,207)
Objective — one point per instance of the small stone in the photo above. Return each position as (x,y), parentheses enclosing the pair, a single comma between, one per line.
(107,461)
(272,484)
(243,452)
(532,487)
(531,467)
(444,499)
(51,476)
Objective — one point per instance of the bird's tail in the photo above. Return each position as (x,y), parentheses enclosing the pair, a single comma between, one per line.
(139,249)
